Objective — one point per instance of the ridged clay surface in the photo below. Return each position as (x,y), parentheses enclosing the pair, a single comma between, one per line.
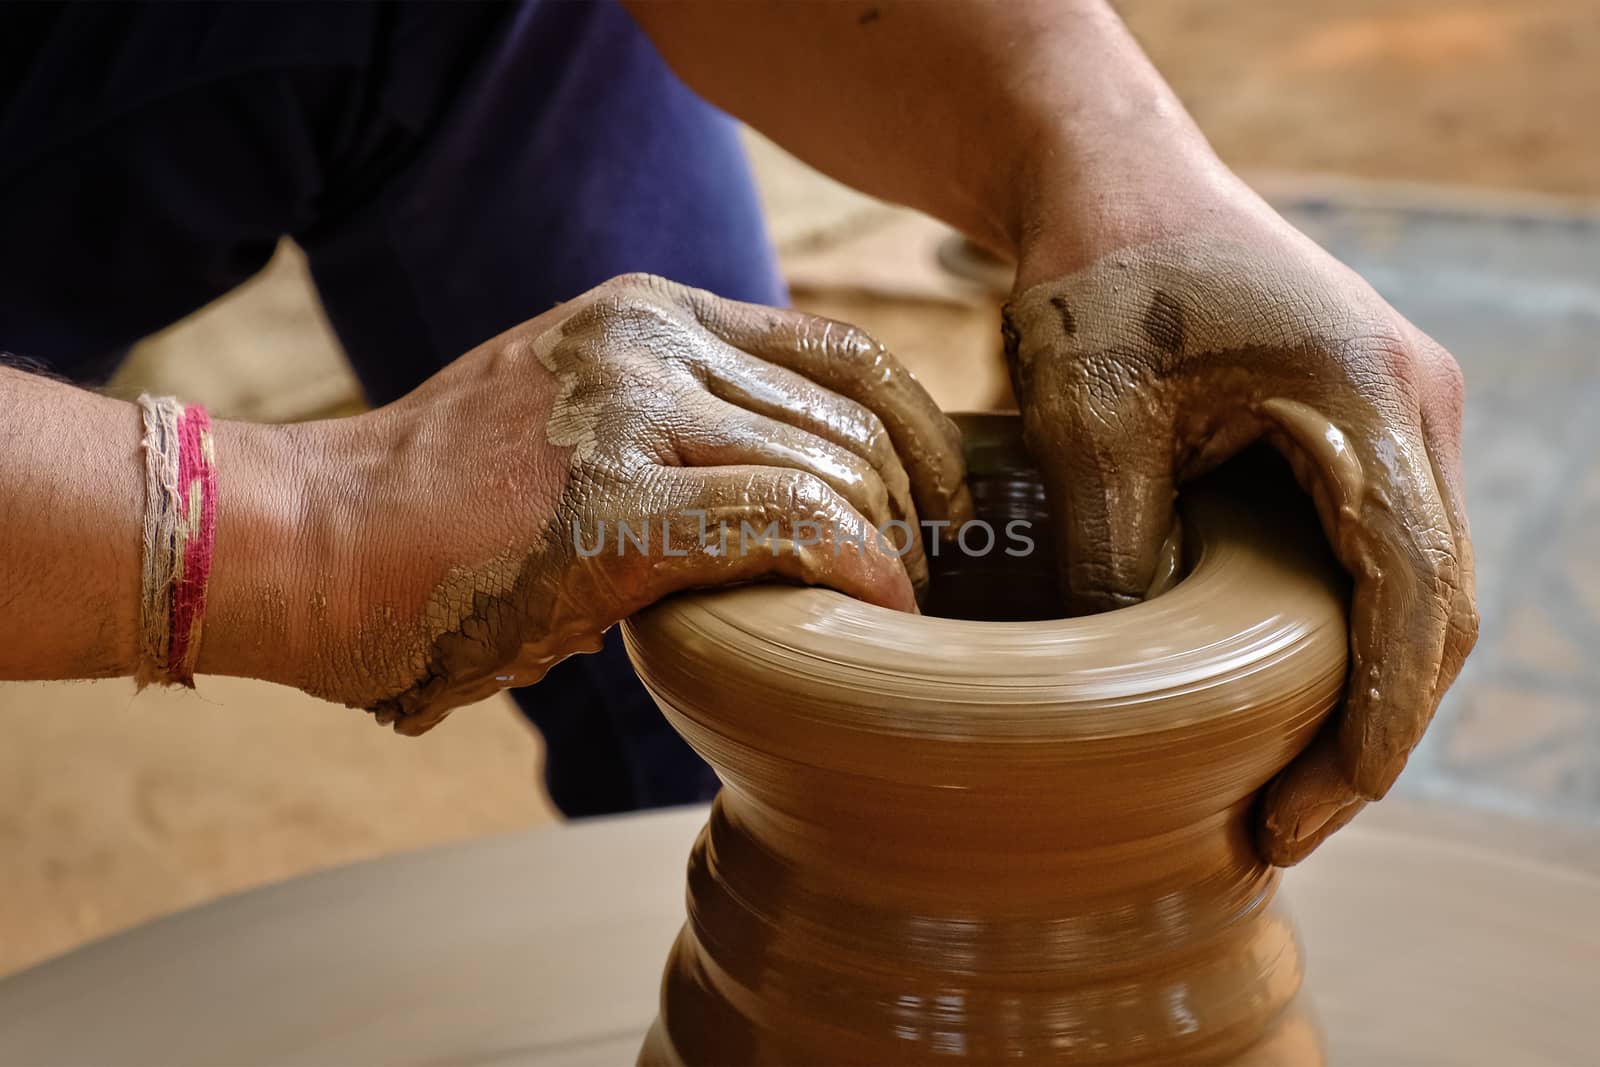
(973,841)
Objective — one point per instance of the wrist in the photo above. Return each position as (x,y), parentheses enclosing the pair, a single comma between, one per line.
(1140,189)
(260,603)
(1108,156)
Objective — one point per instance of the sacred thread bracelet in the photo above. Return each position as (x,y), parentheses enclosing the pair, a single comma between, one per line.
(180,526)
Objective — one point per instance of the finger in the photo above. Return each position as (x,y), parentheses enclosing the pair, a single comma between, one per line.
(848,361)
(731,436)
(1112,485)
(1443,401)
(740,523)
(1382,512)
(781,394)
(1306,803)
(1169,562)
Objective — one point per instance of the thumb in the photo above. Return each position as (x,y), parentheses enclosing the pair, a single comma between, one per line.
(1111,496)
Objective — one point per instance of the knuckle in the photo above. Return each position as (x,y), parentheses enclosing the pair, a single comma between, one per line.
(808,495)
(637,293)
(610,305)
(875,436)
(839,340)
(856,344)
(1465,624)
(1450,372)
(808,488)
(858,426)
(1438,564)
(1449,383)
(635,282)
(643,309)
(877,497)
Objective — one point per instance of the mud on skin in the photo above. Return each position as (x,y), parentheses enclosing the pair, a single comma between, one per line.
(637,402)
(1162,360)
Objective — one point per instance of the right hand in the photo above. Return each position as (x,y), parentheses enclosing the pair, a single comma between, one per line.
(641,402)
(1161,359)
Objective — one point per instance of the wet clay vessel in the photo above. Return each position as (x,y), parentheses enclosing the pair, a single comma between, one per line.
(1001,836)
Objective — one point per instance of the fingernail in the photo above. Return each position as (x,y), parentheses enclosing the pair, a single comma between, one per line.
(1318,819)
(1308,823)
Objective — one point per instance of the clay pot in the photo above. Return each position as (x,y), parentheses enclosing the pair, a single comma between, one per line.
(946,840)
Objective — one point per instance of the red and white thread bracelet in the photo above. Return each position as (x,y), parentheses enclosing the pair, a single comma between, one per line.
(180,524)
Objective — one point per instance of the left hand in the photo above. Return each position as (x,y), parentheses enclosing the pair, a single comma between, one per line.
(455,542)
(1167,351)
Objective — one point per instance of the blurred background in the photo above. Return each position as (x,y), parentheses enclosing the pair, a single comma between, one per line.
(1447,149)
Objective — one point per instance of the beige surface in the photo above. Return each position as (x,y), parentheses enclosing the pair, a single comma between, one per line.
(1455,91)
(546,948)
(118,808)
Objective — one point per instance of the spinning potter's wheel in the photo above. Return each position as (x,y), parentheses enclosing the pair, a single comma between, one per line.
(1434,939)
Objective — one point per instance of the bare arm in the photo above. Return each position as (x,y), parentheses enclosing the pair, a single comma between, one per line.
(1017,122)
(72,497)
(71,505)
(465,538)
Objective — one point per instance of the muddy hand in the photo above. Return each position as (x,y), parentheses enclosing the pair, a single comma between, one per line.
(1161,360)
(641,439)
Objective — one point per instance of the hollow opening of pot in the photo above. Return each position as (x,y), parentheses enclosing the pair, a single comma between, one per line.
(1002,566)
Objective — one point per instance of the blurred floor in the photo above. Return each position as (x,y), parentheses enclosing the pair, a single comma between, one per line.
(116,808)
(1457,91)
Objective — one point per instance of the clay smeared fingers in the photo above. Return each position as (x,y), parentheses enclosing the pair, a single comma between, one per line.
(1305,804)
(779,393)
(1442,402)
(1388,526)
(1114,491)
(1462,631)
(740,523)
(848,361)
(730,436)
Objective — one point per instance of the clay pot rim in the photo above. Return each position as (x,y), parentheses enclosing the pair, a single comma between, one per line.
(1254,638)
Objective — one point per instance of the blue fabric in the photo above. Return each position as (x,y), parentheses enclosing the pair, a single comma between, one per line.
(451,170)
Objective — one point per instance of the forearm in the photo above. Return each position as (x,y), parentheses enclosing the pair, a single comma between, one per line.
(71,499)
(1004,119)
(72,502)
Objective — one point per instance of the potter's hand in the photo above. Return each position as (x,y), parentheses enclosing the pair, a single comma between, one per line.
(1162,359)
(491,503)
